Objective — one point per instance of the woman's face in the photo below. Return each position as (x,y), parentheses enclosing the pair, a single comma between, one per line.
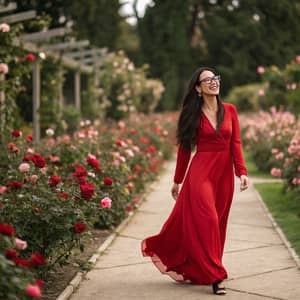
(208,83)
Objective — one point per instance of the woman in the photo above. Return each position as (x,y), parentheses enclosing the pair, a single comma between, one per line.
(190,245)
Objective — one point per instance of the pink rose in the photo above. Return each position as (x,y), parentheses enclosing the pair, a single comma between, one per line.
(33,290)
(260,70)
(106,202)
(24,167)
(261,92)
(276,172)
(3,68)
(3,189)
(279,155)
(298,59)
(34,179)
(20,244)
(4,27)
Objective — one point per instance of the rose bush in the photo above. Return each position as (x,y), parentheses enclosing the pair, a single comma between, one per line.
(54,193)
(273,140)
(16,268)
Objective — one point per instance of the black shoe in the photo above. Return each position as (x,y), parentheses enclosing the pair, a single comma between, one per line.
(218,290)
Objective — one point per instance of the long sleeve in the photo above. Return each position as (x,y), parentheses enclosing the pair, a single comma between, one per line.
(236,145)
(183,158)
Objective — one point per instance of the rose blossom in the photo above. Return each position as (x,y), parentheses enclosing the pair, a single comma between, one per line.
(20,244)
(87,191)
(11,253)
(50,132)
(3,68)
(276,172)
(106,202)
(4,27)
(33,290)
(79,227)
(34,179)
(6,229)
(108,181)
(298,59)
(24,167)
(16,133)
(260,69)
(3,189)
(30,57)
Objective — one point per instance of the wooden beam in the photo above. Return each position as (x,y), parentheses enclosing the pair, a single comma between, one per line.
(9,7)
(45,35)
(67,62)
(77,90)
(36,100)
(2,106)
(67,45)
(19,17)
(87,52)
(92,59)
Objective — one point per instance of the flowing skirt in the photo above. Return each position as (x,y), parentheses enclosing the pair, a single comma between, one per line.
(190,245)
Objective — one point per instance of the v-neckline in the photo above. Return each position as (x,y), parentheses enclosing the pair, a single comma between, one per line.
(215,129)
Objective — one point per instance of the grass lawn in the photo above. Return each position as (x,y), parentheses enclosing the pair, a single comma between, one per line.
(284,208)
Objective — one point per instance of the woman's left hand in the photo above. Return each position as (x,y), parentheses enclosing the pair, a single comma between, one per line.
(244,182)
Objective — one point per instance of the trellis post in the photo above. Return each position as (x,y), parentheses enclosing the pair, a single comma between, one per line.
(36,100)
(2,104)
(77,89)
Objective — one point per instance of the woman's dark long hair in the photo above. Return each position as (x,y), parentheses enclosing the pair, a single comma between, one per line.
(187,127)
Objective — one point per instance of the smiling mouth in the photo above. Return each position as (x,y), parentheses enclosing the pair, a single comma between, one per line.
(214,87)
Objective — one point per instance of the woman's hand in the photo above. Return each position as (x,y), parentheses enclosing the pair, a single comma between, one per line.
(175,191)
(244,182)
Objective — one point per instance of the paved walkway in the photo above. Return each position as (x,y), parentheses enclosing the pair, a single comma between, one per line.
(258,263)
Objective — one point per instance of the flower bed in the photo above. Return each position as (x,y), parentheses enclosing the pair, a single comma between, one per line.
(55,193)
(273,139)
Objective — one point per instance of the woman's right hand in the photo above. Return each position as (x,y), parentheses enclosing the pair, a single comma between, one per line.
(175,191)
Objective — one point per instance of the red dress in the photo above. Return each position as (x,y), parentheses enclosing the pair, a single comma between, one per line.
(189,247)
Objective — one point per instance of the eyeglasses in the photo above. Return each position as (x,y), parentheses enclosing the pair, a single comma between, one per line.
(208,80)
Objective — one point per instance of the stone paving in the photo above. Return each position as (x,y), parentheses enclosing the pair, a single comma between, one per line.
(259,264)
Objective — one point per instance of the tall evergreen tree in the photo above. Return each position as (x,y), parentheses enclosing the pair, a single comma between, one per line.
(234,36)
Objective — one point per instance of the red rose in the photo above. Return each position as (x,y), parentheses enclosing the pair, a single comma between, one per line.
(93,162)
(81,180)
(15,184)
(29,138)
(37,259)
(16,133)
(13,148)
(30,57)
(1,205)
(79,227)
(152,149)
(22,262)
(137,168)
(87,191)
(63,195)
(40,282)
(38,160)
(54,180)
(129,208)
(79,172)
(108,181)
(11,253)
(133,131)
(6,229)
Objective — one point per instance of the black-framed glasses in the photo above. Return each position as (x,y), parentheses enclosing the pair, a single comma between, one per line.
(208,80)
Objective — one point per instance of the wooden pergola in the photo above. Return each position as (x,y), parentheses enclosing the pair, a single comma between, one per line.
(72,55)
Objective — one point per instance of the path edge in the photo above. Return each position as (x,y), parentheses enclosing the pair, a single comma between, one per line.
(77,279)
(275,225)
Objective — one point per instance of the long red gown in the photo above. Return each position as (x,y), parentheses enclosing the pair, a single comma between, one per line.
(189,247)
